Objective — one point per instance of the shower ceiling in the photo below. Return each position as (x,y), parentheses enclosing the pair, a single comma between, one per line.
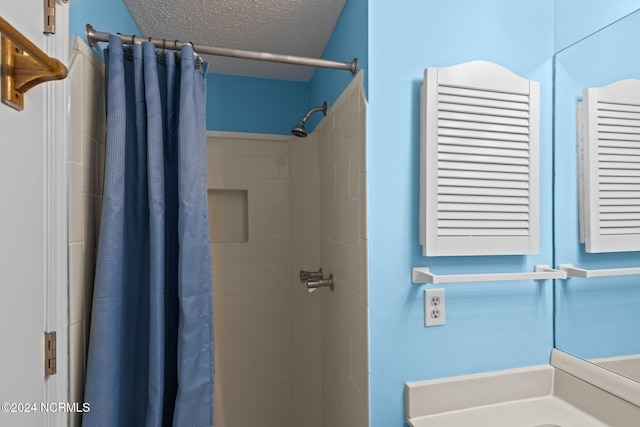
(292,27)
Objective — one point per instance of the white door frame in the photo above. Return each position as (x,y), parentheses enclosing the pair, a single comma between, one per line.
(56,280)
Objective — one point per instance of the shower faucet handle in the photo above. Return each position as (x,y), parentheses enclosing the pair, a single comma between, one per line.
(314,284)
(305,276)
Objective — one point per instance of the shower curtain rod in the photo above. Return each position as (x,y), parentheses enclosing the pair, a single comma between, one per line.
(94,36)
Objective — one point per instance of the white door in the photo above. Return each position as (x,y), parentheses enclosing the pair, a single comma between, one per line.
(30,276)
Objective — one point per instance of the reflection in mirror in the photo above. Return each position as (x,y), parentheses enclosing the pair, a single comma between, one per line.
(597,318)
(608,125)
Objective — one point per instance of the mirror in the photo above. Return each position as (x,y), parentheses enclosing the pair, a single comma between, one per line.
(596,319)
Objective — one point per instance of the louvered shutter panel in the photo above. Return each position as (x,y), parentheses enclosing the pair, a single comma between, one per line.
(479,176)
(610,169)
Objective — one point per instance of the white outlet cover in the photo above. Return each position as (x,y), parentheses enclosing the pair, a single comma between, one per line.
(434,307)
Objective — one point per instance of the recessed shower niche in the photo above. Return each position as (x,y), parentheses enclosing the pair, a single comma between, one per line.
(229,219)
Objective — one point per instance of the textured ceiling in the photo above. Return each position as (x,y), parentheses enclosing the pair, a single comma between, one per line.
(291,27)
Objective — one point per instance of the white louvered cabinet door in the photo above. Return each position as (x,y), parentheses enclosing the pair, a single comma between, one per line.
(609,148)
(479,183)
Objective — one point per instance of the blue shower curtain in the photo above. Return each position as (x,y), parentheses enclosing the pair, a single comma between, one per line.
(150,360)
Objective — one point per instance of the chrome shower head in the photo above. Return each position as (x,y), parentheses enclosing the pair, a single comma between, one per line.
(299,129)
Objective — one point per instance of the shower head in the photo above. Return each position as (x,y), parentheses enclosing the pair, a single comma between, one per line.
(299,129)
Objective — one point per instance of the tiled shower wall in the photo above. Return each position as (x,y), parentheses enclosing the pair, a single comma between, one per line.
(289,357)
(86,166)
(343,232)
(304,321)
(251,276)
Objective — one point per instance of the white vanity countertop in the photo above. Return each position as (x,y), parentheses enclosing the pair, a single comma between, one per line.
(567,393)
(537,412)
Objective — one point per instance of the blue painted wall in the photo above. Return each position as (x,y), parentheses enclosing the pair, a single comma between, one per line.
(489,326)
(348,41)
(109,16)
(248,104)
(576,19)
(594,317)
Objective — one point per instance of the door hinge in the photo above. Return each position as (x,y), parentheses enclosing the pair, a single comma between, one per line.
(49,353)
(49,16)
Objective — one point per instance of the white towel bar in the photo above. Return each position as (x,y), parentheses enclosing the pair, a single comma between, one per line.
(541,272)
(581,272)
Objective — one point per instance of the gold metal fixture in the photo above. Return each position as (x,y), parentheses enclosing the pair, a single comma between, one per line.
(49,353)
(23,66)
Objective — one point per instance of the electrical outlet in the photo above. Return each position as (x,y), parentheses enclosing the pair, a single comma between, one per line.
(434,307)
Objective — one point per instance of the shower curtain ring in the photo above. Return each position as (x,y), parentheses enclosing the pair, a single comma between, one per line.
(133,40)
(163,42)
(175,44)
(149,39)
